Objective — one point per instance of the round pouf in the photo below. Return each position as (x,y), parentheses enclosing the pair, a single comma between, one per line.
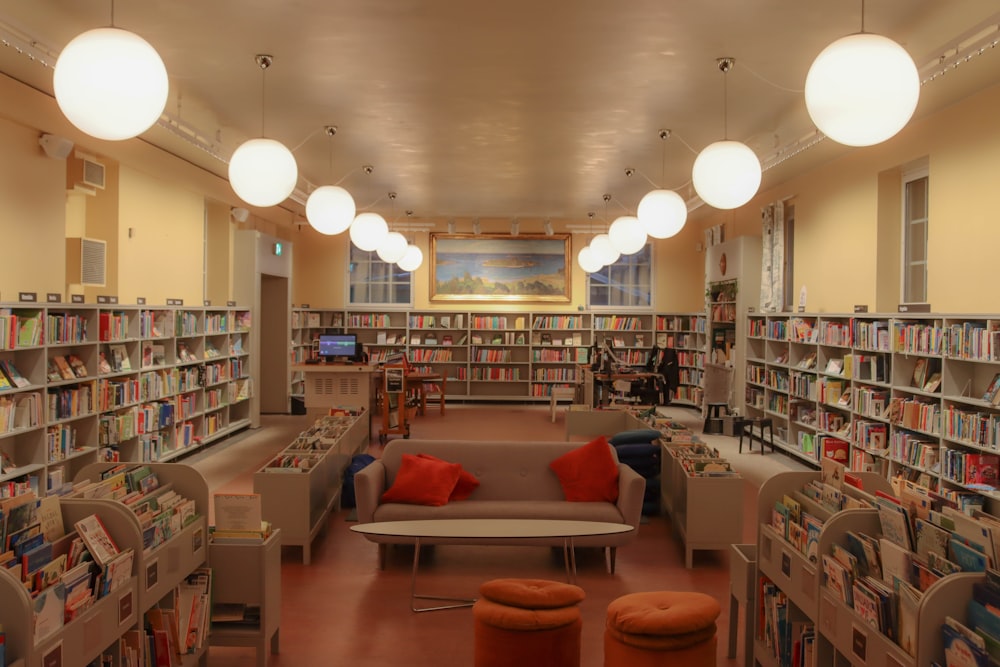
(661,628)
(520,622)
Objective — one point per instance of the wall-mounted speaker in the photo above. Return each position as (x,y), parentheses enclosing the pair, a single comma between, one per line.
(55,147)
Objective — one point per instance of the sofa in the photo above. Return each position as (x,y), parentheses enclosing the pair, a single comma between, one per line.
(515,481)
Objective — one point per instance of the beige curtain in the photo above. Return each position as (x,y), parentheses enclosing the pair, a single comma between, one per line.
(772,265)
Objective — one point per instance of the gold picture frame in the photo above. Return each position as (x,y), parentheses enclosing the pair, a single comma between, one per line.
(501,268)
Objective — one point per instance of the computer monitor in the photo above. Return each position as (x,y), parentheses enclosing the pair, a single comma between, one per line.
(338,347)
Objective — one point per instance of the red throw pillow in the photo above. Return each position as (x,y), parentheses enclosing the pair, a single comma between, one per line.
(467,482)
(589,473)
(422,481)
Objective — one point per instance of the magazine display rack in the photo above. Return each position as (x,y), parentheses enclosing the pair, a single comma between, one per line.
(843,636)
(86,637)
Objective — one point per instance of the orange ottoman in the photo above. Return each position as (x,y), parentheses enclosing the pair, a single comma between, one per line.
(661,628)
(523,622)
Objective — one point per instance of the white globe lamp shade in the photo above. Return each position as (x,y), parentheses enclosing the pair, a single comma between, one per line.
(627,234)
(368,230)
(862,89)
(726,174)
(110,83)
(412,259)
(602,250)
(330,209)
(392,248)
(263,172)
(587,262)
(662,213)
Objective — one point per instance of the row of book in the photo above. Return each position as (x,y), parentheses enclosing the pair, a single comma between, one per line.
(23,328)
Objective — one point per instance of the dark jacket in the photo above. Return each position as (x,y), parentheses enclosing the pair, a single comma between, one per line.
(663,360)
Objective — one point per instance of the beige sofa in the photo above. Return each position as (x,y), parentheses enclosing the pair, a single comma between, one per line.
(515,482)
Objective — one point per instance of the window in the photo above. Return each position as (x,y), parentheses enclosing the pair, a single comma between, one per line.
(628,283)
(372,281)
(915,222)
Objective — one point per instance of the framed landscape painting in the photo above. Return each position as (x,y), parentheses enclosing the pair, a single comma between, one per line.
(498,267)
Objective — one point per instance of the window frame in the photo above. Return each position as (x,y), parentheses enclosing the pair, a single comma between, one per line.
(371,260)
(917,171)
(651,287)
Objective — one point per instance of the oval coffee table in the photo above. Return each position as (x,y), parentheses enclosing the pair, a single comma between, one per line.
(487,531)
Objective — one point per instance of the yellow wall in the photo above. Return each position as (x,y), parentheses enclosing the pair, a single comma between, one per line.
(32,215)
(167,238)
(846,249)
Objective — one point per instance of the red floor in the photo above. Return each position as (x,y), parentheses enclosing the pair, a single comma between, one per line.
(342,610)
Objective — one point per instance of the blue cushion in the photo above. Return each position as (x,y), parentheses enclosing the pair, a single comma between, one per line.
(643,435)
(637,451)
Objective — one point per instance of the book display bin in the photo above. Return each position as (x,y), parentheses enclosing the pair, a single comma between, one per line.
(300,487)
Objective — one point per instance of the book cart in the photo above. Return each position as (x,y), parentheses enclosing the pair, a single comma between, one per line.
(301,485)
(394,412)
(843,637)
(93,632)
(251,579)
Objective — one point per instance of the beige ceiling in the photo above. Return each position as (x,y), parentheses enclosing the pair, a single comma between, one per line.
(522,108)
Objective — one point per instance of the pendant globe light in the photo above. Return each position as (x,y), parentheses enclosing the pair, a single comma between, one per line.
(263,171)
(393,245)
(110,83)
(727,173)
(368,231)
(662,212)
(412,259)
(603,251)
(586,260)
(627,234)
(862,89)
(330,209)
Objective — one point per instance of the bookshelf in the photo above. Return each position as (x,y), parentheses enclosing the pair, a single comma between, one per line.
(889,393)
(513,356)
(133,383)
(686,333)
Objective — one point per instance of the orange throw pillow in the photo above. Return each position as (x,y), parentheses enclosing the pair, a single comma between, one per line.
(421,481)
(467,482)
(589,473)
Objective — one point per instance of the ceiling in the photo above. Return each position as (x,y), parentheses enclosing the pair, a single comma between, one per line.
(522,108)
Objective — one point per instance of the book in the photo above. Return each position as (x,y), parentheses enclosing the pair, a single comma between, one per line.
(962,646)
(895,522)
(14,375)
(99,543)
(992,392)
(919,378)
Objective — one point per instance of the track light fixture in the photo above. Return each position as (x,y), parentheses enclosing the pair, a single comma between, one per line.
(547,227)
(515,227)
(476,229)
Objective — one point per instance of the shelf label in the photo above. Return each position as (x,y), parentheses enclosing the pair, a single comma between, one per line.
(76,298)
(53,297)
(914,308)
(861,308)
(152,574)
(751,309)
(27,297)
(124,607)
(140,300)
(53,658)
(175,302)
(305,305)
(107,298)
(786,564)
(859,642)
(231,304)
(208,302)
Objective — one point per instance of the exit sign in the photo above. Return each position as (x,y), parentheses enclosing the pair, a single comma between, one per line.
(278,249)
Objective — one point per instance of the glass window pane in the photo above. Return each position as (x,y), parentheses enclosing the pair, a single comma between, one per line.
(372,281)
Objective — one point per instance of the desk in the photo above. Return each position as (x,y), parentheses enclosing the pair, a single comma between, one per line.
(605,380)
(332,385)
(418,382)
(487,531)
